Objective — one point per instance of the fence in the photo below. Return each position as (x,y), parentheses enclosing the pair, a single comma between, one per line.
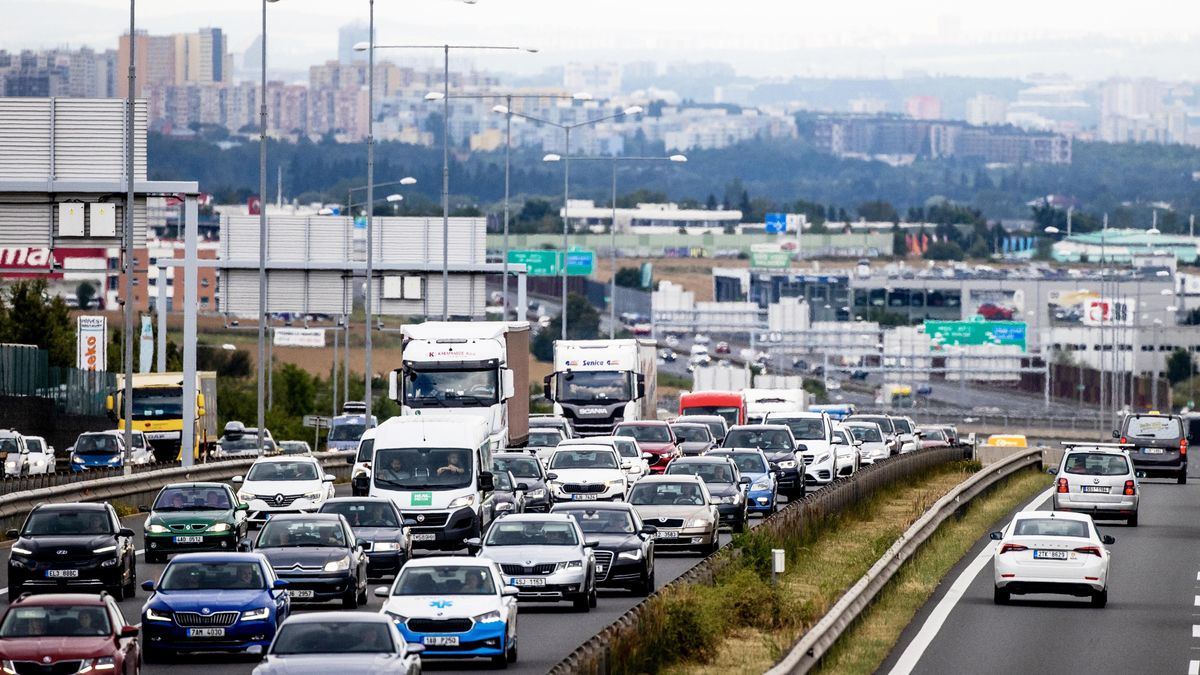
(1077,383)
(25,370)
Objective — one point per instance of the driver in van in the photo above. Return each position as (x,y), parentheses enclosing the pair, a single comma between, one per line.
(454,465)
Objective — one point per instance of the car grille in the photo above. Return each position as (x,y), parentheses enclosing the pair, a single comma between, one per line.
(513,569)
(428,519)
(35,668)
(198,620)
(603,563)
(664,522)
(579,487)
(440,625)
(185,528)
(271,502)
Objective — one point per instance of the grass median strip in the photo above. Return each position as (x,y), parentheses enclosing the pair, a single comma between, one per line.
(867,644)
(743,624)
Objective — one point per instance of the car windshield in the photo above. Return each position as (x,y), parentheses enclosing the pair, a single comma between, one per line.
(691,433)
(593,386)
(1096,464)
(347,432)
(902,425)
(626,447)
(445,580)
(1167,428)
(450,388)
(366,448)
(866,434)
(729,412)
(212,576)
(521,467)
(159,403)
(648,433)
(602,521)
(301,533)
(933,434)
(61,522)
(9,445)
(34,445)
(282,471)
(747,463)
(666,494)
(804,428)
(193,499)
(1050,527)
(364,514)
(531,533)
(240,445)
(571,458)
(763,439)
(294,448)
(884,423)
(97,444)
(334,637)
(709,472)
(544,438)
(55,621)
(423,468)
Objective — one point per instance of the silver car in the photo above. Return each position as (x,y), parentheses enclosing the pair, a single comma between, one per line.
(545,556)
(346,642)
(1097,479)
(681,508)
(874,443)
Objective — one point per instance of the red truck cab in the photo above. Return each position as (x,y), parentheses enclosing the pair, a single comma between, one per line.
(728,404)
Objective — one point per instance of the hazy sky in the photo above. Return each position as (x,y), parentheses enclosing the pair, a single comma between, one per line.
(746,33)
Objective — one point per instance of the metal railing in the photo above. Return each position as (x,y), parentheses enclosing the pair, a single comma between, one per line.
(25,370)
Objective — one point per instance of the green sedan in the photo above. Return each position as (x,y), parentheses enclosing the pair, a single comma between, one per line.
(190,517)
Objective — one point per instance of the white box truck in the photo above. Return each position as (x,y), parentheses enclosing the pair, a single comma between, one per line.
(597,384)
(467,368)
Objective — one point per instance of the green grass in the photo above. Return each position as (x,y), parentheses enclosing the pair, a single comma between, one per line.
(867,644)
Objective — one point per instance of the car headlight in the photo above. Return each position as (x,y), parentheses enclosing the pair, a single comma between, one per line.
(260,614)
(787,464)
(619,482)
(154,615)
(729,499)
(102,663)
(398,618)
(115,459)
(340,565)
(822,459)
(536,494)
(382,546)
(218,527)
(105,549)
(77,459)
(488,617)
(245,495)
(459,502)
(569,565)
(315,494)
(8,667)
(761,485)
(699,522)
(504,506)
(635,554)
(21,551)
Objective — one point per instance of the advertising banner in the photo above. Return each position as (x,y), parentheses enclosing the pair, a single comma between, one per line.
(299,337)
(91,343)
(996,304)
(146,345)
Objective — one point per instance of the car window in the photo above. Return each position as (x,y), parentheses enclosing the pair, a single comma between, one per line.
(747,463)
(218,575)
(707,471)
(56,621)
(282,471)
(470,580)
(601,521)
(564,458)
(1166,428)
(96,444)
(59,522)
(804,428)
(1051,527)
(300,533)
(544,439)
(364,514)
(934,434)
(423,468)
(691,434)
(763,439)
(532,533)
(193,499)
(334,637)
(1096,464)
(366,448)
(646,433)
(902,425)
(9,445)
(866,434)
(502,483)
(666,494)
(34,445)
(627,447)
(521,467)
(885,423)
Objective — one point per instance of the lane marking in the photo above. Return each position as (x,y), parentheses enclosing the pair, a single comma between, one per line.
(1196,631)
(4,591)
(1193,667)
(933,624)
(1197,601)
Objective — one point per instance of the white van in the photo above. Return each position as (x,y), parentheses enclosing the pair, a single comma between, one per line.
(438,470)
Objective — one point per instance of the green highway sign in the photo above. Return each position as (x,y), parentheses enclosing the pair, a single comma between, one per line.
(771,259)
(549,263)
(580,263)
(957,333)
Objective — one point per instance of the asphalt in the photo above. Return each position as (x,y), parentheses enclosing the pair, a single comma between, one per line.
(1151,623)
(546,632)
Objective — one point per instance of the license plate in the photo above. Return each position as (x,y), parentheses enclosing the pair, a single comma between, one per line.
(189,540)
(529,582)
(1050,555)
(599,567)
(424,537)
(62,574)
(300,594)
(440,640)
(666,534)
(1102,489)
(206,632)
(585,498)
(161,435)
(1152,451)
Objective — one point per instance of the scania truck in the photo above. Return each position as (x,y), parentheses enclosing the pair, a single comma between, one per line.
(158,411)
(467,368)
(597,384)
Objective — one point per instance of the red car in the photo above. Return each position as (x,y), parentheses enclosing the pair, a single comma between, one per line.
(67,633)
(993,312)
(722,348)
(655,438)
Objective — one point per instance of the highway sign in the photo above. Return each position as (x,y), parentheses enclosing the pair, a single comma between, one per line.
(962,333)
(770,259)
(776,223)
(537,263)
(316,421)
(580,263)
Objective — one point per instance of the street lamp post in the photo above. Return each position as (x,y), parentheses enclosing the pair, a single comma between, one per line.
(262,231)
(130,106)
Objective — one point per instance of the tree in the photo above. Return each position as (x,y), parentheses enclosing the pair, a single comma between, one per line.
(980,250)
(629,277)
(1179,366)
(878,211)
(944,250)
(29,316)
(641,196)
(84,294)
(711,203)
(583,324)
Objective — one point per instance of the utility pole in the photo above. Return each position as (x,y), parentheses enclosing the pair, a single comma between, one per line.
(130,128)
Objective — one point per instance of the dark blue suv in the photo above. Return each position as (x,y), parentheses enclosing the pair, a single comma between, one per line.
(208,602)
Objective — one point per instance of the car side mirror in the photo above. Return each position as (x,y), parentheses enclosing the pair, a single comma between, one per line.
(236,480)
(382,591)
(546,393)
(773,467)
(244,546)
(142,508)
(129,631)
(243,507)
(280,584)
(744,480)
(591,543)
(255,651)
(350,459)
(800,447)
(996,536)
(646,455)
(409,522)
(1053,471)
(523,486)
(148,586)
(1108,539)
(328,478)
(12,534)
(1116,434)
(360,543)
(473,542)
(125,532)
(551,476)
(487,482)
(837,441)
(649,530)
(509,592)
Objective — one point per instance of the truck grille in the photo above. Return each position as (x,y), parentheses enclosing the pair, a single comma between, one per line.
(440,625)
(513,569)
(580,487)
(434,519)
(603,563)
(198,620)
(35,668)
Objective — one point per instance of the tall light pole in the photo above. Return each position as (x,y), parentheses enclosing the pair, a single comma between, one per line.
(368,380)
(565,158)
(262,233)
(127,397)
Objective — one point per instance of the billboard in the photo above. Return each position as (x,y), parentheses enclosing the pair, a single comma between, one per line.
(996,304)
(91,343)
(944,334)
(299,337)
(1089,308)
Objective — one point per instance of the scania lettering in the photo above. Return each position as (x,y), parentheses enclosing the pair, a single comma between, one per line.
(597,384)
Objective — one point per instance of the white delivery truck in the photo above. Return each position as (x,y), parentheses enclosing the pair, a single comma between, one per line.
(760,402)
(597,384)
(437,469)
(478,369)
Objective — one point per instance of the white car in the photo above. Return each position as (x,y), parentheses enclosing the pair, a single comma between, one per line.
(142,452)
(873,446)
(634,462)
(813,432)
(41,456)
(1051,552)
(585,472)
(283,484)
(906,432)
(545,556)
(846,447)
(447,602)
(16,458)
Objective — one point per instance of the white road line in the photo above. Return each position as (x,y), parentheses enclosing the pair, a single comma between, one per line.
(1196,600)
(1193,667)
(933,624)
(1197,576)
(4,591)
(1196,631)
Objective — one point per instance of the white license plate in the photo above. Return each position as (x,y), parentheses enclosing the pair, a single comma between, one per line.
(160,435)
(206,632)
(599,567)
(424,537)
(440,640)
(299,594)
(1102,489)
(585,498)
(62,574)
(189,540)
(1050,555)
(666,534)
(529,582)
(1152,451)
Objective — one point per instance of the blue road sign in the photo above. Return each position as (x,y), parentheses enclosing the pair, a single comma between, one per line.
(776,223)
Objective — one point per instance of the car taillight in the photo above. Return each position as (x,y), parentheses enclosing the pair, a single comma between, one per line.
(1012,547)
(1183,446)
(1093,550)
(1129,487)
(1124,440)
(1062,486)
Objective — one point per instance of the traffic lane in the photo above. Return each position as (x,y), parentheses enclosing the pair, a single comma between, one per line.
(1145,628)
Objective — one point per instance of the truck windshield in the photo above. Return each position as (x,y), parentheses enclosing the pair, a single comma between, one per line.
(593,385)
(450,388)
(159,403)
(730,413)
(347,432)
(423,468)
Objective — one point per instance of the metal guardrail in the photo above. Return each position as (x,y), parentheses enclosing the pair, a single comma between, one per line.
(811,646)
(1083,421)
(593,656)
(11,484)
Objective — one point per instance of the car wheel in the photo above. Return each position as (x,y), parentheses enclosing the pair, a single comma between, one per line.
(500,661)
(118,591)
(350,600)
(14,591)
(739,525)
(593,596)
(1182,477)
(512,650)
(155,558)
(1100,599)
(1133,520)
(1001,596)
(130,588)
(362,595)
(580,603)
(151,655)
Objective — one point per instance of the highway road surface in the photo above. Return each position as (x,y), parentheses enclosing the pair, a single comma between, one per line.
(1151,624)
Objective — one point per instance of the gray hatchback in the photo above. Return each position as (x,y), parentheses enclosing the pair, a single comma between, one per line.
(1097,479)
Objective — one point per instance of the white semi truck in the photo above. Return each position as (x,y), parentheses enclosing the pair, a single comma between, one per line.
(467,368)
(597,384)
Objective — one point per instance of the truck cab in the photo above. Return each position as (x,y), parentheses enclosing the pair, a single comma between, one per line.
(158,411)
(346,429)
(728,404)
(597,384)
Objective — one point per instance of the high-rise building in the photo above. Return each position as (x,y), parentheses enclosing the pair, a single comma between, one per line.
(350,35)
(986,110)
(155,62)
(202,57)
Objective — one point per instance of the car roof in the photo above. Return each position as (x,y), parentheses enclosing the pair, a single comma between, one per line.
(585,445)
(535,518)
(196,485)
(761,427)
(357,500)
(217,557)
(644,423)
(74,506)
(599,506)
(1098,449)
(738,451)
(447,561)
(60,599)
(1063,515)
(664,478)
(588,440)
(305,516)
(287,458)
(341,616)
(513,454)
(702,459)
(798,414)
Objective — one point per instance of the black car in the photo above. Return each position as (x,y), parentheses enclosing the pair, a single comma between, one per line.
(724,481)
(318,555)
(379,524)
(625,548)
(693,438)
(509,495)
(72,547)
(1160,444)
(528,470)
(779,445)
